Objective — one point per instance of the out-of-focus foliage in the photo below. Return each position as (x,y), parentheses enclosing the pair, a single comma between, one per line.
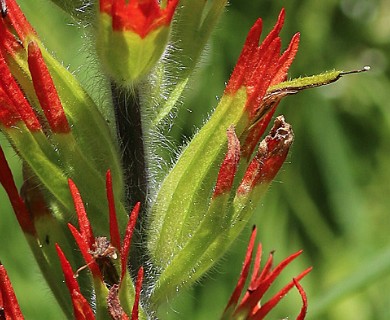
(331,198)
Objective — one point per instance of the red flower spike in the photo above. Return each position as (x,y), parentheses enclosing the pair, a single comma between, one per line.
(9,306)
(302,292)
(250,307)
(261,62)
(138,286)
(270,157)
(114,229)
(270,101)
(127,240)
(46,91)
(139,16)
(252,53)
(84,225)
(229,166)
(244,272)
(252,300)
(271,303)
(7,181)
(85,251)
(19,103)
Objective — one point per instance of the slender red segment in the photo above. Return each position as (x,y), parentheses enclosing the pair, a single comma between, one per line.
(253,55)
(250,307)
(8,301)
(302,313)
(82,309)
(114,229)
(46,91)
(85,251)
(286,60)
(70,280)
(7,181)
(229,166)
(139,16)
(251,43)
(271,303)
(253,299)
(244,272)
(256,265)
(138,287)
(84,225)
(127,240)
(264,273)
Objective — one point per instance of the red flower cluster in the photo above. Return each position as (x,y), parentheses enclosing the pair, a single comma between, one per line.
(99,253)
(249,307)
(141,17)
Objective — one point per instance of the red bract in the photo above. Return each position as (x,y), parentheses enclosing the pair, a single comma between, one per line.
(258,68)
(98,253)
(261,62)
(9,306)
(139,16)
(17,35)
(249,307)
(229,166)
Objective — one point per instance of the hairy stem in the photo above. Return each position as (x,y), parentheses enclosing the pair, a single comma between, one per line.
(131,140)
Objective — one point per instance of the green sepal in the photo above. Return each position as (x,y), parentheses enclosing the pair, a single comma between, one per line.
(183,268)
(182,202)
(125,55)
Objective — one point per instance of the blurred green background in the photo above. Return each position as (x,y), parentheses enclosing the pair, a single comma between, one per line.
(331,198)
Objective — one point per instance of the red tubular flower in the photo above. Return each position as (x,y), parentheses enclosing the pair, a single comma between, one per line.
(261,62)
(139,16)
(249,307)
(99,254)
(9,306)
